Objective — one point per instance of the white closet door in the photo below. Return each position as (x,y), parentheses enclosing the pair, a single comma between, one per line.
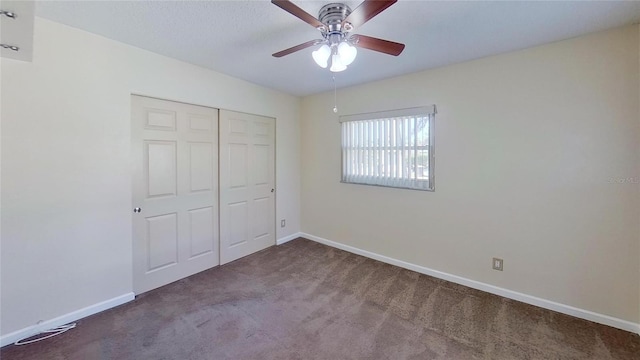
(175,189)
(247,184)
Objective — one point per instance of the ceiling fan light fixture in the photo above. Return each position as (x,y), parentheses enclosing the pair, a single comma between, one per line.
(336,64)
(347,53)
(321,56)
(335,21)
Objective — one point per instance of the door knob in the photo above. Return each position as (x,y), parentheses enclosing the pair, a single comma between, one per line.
(137,210)
(272,190)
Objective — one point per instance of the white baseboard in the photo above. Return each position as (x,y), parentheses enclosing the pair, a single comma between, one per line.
(288,238)
(65,319)
(532,300)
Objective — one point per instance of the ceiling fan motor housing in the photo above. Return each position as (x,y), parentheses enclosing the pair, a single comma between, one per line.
(335,21)
(332,15)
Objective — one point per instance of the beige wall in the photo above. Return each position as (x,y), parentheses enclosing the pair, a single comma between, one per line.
(532,149)
(66,181)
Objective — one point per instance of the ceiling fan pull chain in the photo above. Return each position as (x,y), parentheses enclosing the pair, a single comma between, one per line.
(335,96)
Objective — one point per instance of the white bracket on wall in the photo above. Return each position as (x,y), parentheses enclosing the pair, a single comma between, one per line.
(16,30)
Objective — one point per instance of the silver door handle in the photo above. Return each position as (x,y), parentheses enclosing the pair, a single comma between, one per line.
(137,210)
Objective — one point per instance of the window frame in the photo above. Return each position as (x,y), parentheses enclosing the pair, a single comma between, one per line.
(424,111)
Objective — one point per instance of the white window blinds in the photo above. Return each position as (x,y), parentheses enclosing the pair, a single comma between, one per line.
(390,148)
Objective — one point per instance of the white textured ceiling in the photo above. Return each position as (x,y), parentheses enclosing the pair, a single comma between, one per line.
(238,37)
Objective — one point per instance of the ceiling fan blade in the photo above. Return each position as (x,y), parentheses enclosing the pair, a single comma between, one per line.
(375,44)
(296,48)
(367,10)
(294,10)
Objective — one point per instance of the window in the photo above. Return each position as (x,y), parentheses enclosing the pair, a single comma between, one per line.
(389,148)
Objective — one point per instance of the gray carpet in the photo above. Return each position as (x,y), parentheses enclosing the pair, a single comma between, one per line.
(303,300)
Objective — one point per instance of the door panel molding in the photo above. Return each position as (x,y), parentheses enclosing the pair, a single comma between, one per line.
(247,180)
(175,184)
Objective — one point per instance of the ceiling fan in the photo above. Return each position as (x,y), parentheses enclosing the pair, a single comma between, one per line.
(335,21)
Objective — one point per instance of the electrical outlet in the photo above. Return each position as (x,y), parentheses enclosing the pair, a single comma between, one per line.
(283,223)
(497,264)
